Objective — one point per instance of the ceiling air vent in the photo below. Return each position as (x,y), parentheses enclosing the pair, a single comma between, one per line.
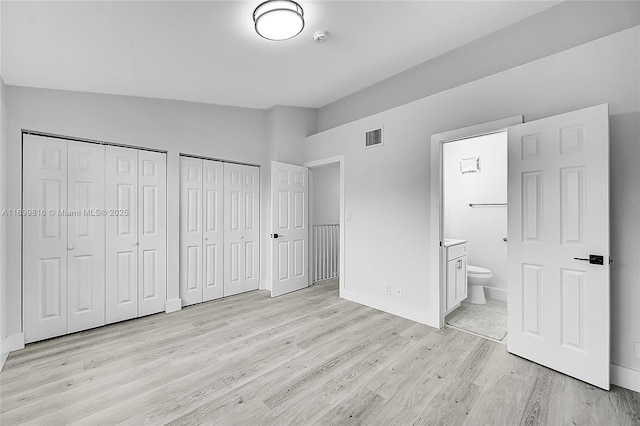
(373,138)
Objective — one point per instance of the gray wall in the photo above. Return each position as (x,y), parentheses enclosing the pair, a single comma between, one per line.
(388,188)
(553,30)
(4,350)
(326,195)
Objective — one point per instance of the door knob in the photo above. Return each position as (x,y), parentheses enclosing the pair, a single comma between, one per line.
(242,237)
(275,236)
(71,248)
(206,238)
(135,244)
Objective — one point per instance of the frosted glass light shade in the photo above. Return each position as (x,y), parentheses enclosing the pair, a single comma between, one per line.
(278,19)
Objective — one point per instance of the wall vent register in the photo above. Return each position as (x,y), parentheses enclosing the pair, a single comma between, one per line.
(373,138)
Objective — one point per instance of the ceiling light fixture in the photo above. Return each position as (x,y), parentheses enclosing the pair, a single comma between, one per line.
(278,19)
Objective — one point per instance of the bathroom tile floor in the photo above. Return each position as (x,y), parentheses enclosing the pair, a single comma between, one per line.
(488,320)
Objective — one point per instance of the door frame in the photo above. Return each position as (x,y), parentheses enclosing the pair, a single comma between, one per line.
(436,253)
(340,159)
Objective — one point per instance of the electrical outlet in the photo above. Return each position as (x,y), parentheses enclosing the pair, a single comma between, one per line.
(387,290)
(398,291)
(638,351)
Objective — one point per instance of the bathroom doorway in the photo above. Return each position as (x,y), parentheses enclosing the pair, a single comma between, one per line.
(474,221)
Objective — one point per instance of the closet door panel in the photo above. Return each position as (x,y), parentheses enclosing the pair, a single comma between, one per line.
(233,227)
(86,236)
(152,232)
(121,234)
(213,230)
(241,227)
(44,237)
(190,230)
(251,225)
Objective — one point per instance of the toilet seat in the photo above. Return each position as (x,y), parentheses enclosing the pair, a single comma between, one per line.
(477,270)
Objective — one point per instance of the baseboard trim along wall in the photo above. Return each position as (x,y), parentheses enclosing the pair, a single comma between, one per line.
(625,378)
(15,342)
(423,317)
(172,305)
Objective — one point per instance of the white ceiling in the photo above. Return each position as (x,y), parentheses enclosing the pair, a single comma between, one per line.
(207,51)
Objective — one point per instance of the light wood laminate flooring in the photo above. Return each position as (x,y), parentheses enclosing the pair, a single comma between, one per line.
(304,358)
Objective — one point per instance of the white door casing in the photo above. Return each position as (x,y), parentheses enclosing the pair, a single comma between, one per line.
(190,230)
(152,232)
(558,197)
(290,220)
(212,230)
(241,228)
(122,234)
(86,236)
(44,237)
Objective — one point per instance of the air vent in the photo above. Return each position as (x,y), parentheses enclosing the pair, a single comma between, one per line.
(373,138)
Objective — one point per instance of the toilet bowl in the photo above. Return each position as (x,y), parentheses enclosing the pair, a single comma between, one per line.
(477,277)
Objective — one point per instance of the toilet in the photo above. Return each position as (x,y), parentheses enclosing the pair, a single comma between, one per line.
(477,277)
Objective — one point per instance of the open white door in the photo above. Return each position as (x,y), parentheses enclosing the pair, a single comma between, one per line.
(290,227)
(558,200)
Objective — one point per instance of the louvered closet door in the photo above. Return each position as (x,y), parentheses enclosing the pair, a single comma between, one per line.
(152,232)
(44,238)
(190,230)
(86,236)
(212,227)
(122,234)
(241,228)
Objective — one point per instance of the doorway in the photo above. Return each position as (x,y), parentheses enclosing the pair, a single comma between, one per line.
(474,173)
(326,221)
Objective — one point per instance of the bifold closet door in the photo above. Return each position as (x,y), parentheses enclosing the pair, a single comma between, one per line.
(201,230)
(152,232)
(122,234)
(85,245)
(136,233)
(44,237)
(241,228)
(64,269)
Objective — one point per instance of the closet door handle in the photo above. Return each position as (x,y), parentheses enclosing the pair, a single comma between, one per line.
(71,248)
(136,244)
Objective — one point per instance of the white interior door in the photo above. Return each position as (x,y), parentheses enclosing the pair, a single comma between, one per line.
(558,200)
(190,230)
(86,236)
(152,232)
(122,234)
(44,237)
(290,227)
(241,228)
(212,229)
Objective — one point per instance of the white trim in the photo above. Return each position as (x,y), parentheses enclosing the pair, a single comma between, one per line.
(15,342)
(436,216)
(385,305)
(625,377)
(3,359)
(173,305)
(340,159)
(496,293)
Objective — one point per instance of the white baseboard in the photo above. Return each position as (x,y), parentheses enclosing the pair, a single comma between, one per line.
(173,305)
(423,317)
(625,377)
(15,342)
(496,293)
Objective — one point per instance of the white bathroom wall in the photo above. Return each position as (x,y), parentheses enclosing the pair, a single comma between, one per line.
(326,195)
(483,227)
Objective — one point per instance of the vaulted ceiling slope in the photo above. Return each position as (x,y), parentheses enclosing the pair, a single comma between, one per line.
(208,51)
